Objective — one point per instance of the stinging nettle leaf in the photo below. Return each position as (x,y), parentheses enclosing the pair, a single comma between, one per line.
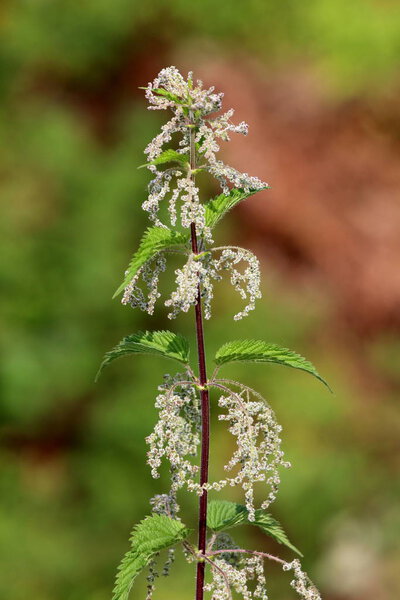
(154,241)
(217,207)
(260,351)
(161,343)
(152,535)
(168,156)
(223,515)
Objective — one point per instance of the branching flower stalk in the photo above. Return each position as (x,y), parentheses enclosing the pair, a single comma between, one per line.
(183,224)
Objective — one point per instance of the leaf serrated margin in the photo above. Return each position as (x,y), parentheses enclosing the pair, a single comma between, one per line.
(150,536)
(162,343)
(154,241)
(259,351)
(223,514)
(216,208)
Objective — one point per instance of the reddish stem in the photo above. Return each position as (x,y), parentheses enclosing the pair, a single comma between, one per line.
(205,429)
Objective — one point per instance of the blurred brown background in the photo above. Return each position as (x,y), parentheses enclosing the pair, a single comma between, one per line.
(318,83)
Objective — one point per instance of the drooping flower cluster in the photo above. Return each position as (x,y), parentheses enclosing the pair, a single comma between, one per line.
(149,274)
(188,278)
(233,571)
(198,144)
(247,284)
(258,455)
(257,458)
(301,582)
(176,435)
(174,182)
(205,269)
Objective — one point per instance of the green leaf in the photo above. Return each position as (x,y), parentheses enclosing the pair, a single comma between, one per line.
(152,535)
(223,515)
(217,207)
(273,528)
(168,156)
(260,351)
(154,241)
(169,95)
(161,343)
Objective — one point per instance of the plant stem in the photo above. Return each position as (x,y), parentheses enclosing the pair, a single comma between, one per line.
(205,403)
(242,551)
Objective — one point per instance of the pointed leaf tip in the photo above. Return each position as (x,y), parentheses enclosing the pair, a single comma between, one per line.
(216,208)
(223,515)
(260,351)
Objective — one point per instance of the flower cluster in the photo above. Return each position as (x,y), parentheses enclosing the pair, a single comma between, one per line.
(235,571)
(187,280)
(149,274)
(198,145)
(231,570)
(258,454)
(205,269)
(175,437)
(247,284)
(301,582)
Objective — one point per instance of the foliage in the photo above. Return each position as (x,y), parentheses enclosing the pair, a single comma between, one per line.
(164,343)
(71,139)
(154,241)
(183,406)
(258,351)
(168,156)
(153,534)
(223,515)
(218,207)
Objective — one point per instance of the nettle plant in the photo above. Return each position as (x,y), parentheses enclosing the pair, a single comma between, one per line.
(183,426)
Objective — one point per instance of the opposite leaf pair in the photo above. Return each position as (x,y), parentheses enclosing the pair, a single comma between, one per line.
(176,347)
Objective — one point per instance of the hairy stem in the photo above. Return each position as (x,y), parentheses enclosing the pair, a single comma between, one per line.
(242,551)
(205,403)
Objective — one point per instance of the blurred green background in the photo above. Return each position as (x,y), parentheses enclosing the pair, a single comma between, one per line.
(318,82)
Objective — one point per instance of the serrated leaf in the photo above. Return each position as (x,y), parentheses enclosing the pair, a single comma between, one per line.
(273,528)
(152,535)
(217,207)
(260,351)
(222,515)
(154,241)
(166,157)
(162,343)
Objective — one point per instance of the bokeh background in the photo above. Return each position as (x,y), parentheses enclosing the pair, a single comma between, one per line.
(318,82)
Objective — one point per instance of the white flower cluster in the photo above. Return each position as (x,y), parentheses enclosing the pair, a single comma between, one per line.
(258,454)
(187,280)
(203,269)
(206,138)
(175,90)
(248,283)
(159,188)
(301,582)
(176,434)
(149,273)
(198,144)
(235,571)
